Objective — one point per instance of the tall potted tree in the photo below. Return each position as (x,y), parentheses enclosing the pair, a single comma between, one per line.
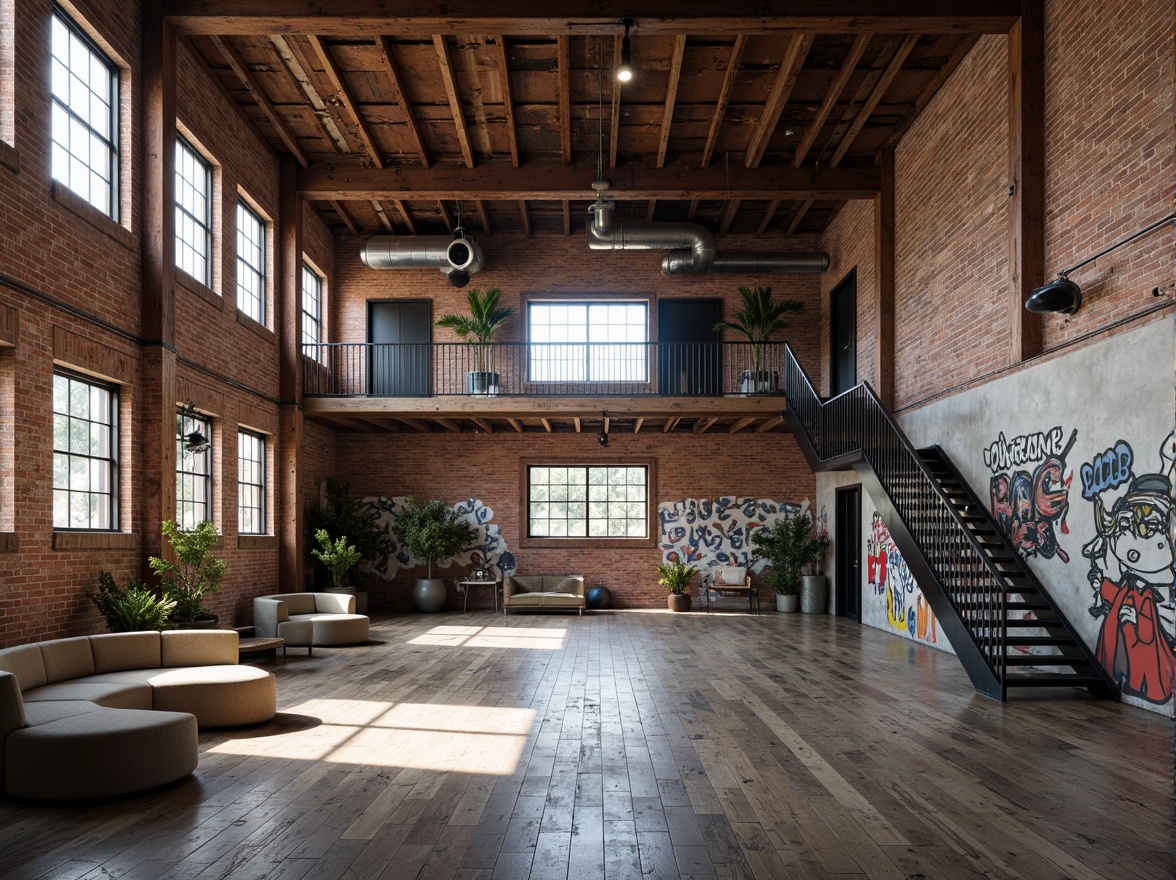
(431,531)
(760,317)
(195,574)
(484,318)
(788,546)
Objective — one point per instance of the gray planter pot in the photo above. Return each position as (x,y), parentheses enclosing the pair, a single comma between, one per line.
(429,595)
(787,603)
(812,594)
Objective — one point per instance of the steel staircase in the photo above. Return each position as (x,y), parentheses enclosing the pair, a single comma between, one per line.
(987,602)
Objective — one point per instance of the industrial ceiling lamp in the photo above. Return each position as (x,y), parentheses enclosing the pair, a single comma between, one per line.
(625,71)
(194,441)
(1065,296)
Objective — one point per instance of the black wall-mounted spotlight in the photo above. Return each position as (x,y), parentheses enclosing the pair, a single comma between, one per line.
(625,70)
(194,441)
(602,438)
(1065,296)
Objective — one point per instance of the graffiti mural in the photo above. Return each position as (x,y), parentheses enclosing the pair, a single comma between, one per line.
(887,573)
(709,533)
(1030,505)
(1132,568)
(488,551)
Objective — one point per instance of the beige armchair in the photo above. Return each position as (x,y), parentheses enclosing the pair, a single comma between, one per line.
(307,619)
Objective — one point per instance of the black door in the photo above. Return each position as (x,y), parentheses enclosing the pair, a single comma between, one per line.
(843,335)
(848,552)
(399,362)
(689,356)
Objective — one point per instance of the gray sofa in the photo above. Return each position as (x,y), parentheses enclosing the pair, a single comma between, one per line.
(309,619)
(544,593)
(111,714)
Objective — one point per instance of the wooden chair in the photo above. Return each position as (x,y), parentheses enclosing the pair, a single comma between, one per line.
(732,581)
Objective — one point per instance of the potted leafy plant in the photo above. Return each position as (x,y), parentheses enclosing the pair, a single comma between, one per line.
(788,546)
(484,318)
(760,317)
(195,574)
(676,577)
(431,531)
(812,583)
(338,556)
(339,516)
(132,608)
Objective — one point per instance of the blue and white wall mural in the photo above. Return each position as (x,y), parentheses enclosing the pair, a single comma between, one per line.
(712,532)
(488,551)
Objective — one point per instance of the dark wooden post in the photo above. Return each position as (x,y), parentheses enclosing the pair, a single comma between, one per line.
(291,540)
(884,284)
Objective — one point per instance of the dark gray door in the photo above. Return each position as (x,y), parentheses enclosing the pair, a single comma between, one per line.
(847,536)
(689,356)
(399,361)
(843,335)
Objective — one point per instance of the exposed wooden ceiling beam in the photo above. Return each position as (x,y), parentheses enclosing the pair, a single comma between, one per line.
(346,97)
(801,210)
(526,218)
(382,215)
(605,425)
(692,210)
(507,102)
(716,125)
(546,423)
(728,217)
(671,97)
(651,209)
(831,95)
(769,424)
(786,76)
(516,424)
(384,44)
(485,424)
(879,90)
(406,214)
(483,216)
(768,216)
(740,424)
(567,217)
(670,424)
(421,18)
(445,218)
(564,90)
(702,425)
(614,127)
(347,220)
(552,181)
(237,63)
(296,65)
(449,81)
(449,425)
(637,423)
(416,424)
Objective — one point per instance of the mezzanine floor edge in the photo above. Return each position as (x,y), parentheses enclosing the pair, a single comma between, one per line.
(636,744)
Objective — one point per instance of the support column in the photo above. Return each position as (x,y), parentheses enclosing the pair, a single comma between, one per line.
(884,282)
(157,289)
(291,538)
(1026,176)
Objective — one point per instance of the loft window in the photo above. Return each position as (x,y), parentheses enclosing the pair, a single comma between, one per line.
(588,501)
(85,454)
(250,263)
(312,312)
(193,213)
(193,474)
(250,483)
(588,341)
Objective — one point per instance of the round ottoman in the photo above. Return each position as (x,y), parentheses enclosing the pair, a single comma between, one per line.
(339,629)
(219,696)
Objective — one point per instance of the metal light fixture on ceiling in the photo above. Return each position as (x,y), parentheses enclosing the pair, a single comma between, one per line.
(1065,296)
(625,70)
(194,441)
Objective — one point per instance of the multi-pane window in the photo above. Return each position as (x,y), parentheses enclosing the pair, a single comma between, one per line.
(598,501)
(193,473)
(193,213)
(588,341)
(312,311)
(250,483)
(85,454)
(250,263)
(84,85)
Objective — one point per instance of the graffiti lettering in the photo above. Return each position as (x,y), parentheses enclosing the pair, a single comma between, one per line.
(1004,455)
(1031,508)
(1108,470)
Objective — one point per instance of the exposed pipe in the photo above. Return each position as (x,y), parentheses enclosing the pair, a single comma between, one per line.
(751,263)
(458,258)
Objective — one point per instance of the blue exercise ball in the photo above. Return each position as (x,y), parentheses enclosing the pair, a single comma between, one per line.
(598,597)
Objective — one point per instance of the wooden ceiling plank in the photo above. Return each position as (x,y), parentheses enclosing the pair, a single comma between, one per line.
(728,216)
(702,425)
(769,215)
(670,424)
(406,214)
(546,425)
(445,218)
(483,216)
(614,129)
(801,210)
(526,218)
(297,67)
(834,92)
(786,76)
(378,207)
(229,51)
(384,44)
(932,88)
(486,425)
(863,114)
(507,102)
(724,97)
(768,424)
(692,210)
(567,217)
(576,424)
(417,425)
(347,219)
(637,423)
(740,424)
(564,90)
(650,210)
(516,424)
(345,96)
(450,83)
(448,424)
(671,97)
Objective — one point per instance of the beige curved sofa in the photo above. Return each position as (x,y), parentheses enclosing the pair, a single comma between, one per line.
(110,714)
(308,619)
(535,593)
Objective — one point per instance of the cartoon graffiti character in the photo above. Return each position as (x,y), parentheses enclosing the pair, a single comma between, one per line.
(1135,539)
(876,555)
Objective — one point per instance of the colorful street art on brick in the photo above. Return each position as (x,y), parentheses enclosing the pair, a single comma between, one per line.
(1132,571)
(709,533)
(1030,490)
(887,576)
(489,550)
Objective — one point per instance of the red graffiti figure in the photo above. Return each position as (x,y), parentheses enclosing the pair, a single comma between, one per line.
(877,555)
(1132,644)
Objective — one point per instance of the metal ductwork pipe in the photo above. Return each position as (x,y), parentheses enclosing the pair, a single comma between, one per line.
(457,258)
(750,263)
(688,243)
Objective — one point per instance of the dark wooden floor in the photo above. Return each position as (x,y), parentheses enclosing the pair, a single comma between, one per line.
(637,745)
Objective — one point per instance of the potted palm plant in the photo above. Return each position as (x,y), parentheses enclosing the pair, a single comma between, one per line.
(131,608)
(676,577)
(431,531)
(195,574)
(484,318)
(760,317)
(788,546)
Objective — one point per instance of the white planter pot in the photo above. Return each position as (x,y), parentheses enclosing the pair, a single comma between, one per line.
(787,603)
(812,594)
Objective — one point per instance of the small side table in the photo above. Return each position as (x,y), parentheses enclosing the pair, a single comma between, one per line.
(464,587)
(260,646)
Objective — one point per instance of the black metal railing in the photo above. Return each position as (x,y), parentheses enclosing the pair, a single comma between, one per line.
(556,369)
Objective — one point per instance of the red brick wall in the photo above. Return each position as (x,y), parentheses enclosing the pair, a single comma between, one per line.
(849,240)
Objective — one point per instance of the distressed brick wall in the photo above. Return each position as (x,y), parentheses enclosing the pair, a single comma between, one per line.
(849,240)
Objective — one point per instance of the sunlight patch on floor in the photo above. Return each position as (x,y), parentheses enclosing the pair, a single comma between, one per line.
(418,736)
(532,638)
